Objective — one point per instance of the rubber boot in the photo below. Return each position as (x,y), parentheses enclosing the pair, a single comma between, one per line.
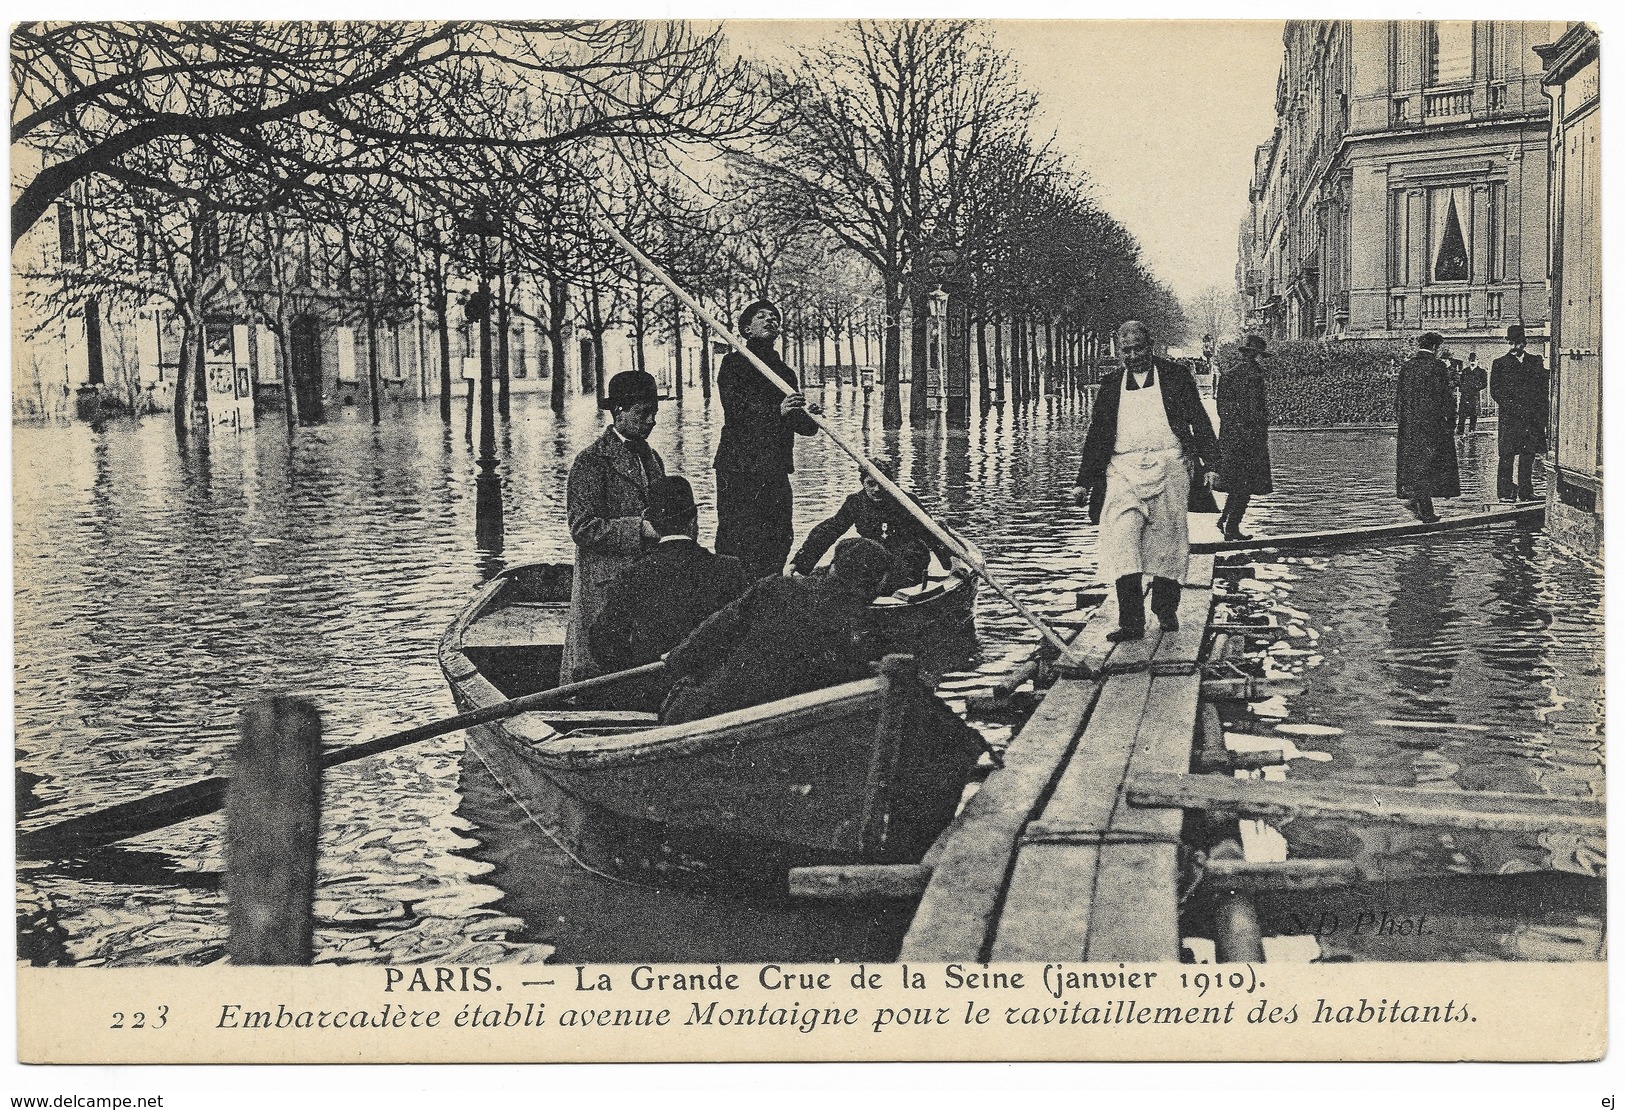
(1130,611)
(1165,603)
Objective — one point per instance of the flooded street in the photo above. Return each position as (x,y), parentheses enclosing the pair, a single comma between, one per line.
(159,591)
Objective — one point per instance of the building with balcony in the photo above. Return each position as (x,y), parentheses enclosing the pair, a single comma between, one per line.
(1404,188)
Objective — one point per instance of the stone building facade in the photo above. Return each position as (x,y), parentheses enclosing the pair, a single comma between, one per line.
(1404,188)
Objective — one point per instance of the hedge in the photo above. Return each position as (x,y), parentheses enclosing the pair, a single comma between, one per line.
(1313,384)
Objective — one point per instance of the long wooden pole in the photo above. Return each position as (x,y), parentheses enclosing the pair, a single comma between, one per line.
(168,807)
(937,531)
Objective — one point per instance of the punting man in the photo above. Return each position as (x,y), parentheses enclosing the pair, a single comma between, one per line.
(605,499)
(876,516)
(756,455)
(786,636)
(1244,436)
(1149,456)
(654,604)
(1521,386)
(1425,458)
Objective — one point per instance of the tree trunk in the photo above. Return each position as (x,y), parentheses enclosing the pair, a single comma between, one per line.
(677,348)
(891,373)
(558,304)
(982,385)
(705,360)
(437,290)
(290,395)
(182,380)
(852,347)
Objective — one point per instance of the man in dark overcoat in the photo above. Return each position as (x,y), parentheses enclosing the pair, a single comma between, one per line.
(1150,456)
(1469,385)
(654,604)
(1521,387)
(1244,436)
(876,516)
(756,454)
(786,636)
(607,493)
(1425,458)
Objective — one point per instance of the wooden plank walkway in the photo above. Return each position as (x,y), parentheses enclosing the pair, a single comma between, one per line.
(1050,835)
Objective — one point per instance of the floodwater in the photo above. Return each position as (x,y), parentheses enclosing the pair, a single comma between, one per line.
(159,590)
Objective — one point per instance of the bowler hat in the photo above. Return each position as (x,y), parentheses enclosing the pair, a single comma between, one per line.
(1430,341)
(1515,333)
(671,500)
(1254,344)
(631,387)
(859,559)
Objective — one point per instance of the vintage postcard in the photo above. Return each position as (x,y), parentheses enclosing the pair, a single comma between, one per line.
(919,539)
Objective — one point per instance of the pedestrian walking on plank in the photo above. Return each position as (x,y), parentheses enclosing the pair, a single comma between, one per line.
(1425,455)
(1150,456)
(1521,387)
(756,456)
(605,499)
(1244,436)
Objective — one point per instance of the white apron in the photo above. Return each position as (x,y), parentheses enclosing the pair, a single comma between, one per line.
(1143,526)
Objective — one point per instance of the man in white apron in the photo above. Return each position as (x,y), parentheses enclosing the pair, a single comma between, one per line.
(1148,438)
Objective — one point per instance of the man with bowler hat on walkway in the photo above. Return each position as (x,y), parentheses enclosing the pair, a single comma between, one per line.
(1244,436)
(1521,387)
(605,499)
(1425,455)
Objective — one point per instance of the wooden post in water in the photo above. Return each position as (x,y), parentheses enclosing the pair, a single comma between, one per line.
(272,817)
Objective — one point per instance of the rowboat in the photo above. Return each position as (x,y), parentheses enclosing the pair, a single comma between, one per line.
(865,772)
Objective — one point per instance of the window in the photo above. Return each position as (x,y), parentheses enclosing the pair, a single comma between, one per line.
(1449,259)
(1450,52)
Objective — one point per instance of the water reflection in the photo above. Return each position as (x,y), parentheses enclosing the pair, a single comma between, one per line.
(160,589)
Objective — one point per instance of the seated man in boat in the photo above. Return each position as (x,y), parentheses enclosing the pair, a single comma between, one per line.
(654,604)
(786,636)
(877,516)
(606,495)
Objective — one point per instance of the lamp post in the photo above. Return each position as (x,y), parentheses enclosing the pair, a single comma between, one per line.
(936,347)
(484,228)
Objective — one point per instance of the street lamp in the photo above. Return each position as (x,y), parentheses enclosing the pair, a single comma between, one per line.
(484,229)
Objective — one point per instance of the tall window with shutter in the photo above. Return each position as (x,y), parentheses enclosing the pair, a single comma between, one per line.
(1450,52)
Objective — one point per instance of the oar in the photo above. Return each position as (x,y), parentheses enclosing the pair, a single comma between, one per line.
(942,536)
(168,807)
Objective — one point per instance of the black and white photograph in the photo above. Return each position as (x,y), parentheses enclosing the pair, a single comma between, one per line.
(767,539)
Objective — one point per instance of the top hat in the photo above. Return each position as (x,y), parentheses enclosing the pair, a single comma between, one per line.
(671,500)
(1254,344)
(1515,333)
(631,387)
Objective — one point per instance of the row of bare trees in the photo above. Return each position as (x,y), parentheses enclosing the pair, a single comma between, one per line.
(291,169)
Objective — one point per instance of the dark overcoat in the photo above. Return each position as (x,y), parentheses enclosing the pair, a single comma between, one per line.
(1425,459)
(1244,430)
(1186,417)
(755,438)
(604,500)
(786,636)
(1522,393)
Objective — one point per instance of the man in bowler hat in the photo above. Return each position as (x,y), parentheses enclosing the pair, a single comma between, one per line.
(605,500)
(1521,387)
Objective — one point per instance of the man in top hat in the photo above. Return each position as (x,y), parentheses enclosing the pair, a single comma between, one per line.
(786,636)
(657,601)
(1425,455)
(1150,456)
(1244,436)
(605,500)
(756,455)
(1521,387)
(876,516)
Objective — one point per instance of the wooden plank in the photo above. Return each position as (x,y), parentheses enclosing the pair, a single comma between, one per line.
(1254,876)
(1185,644)
(1139,885)
(859,882)
(1374,802)
(1528,515)
(1046,915)
(1047,909)
(967,886)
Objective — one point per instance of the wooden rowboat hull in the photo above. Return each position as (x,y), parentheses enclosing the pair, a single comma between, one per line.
(869,771)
